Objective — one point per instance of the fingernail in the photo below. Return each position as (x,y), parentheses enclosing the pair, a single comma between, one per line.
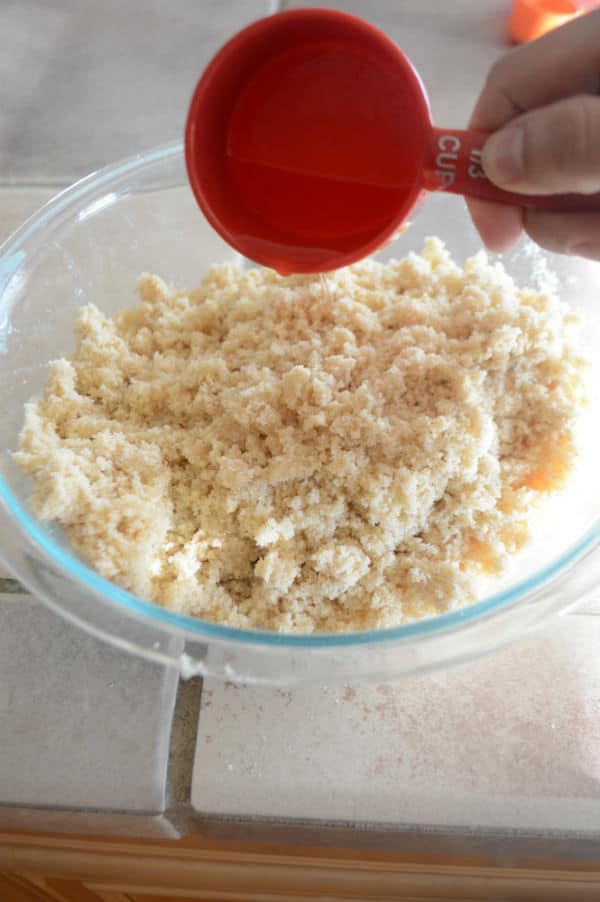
(502,156)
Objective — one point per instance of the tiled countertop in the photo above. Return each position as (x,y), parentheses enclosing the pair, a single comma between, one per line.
(83,84)
(508,742)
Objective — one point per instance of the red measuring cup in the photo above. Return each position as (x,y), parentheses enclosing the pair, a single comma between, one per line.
(309,141)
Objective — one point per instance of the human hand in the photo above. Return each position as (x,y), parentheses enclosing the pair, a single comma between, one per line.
(541,103)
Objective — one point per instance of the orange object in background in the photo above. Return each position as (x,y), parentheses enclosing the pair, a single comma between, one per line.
(531,19)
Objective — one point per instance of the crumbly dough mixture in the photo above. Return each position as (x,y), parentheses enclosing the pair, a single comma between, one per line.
(262,453)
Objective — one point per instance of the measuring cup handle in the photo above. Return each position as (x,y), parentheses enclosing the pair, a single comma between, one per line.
(453,163)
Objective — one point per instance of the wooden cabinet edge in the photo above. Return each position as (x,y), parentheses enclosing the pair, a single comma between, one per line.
(217,869)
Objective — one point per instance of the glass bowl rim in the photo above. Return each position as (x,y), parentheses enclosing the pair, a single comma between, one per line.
(12,252)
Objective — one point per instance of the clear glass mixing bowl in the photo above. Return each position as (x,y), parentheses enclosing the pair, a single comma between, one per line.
(89,244)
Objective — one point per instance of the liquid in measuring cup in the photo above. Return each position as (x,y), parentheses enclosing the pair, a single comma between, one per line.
(326,287)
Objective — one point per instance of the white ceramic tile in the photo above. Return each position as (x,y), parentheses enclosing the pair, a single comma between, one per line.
(85,83)
(81,725)
(510,741)
(452,44)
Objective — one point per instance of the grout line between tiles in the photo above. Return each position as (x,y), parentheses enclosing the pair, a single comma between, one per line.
(34,184)
(182,744)
(9,586)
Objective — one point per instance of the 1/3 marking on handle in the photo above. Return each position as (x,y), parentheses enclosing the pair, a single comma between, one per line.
(475,169)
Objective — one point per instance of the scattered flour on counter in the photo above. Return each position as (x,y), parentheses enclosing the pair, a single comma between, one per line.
(258,453)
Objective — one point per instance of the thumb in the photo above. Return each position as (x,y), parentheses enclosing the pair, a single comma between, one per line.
(550,150)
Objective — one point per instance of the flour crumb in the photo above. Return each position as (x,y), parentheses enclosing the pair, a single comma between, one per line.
(260,453)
